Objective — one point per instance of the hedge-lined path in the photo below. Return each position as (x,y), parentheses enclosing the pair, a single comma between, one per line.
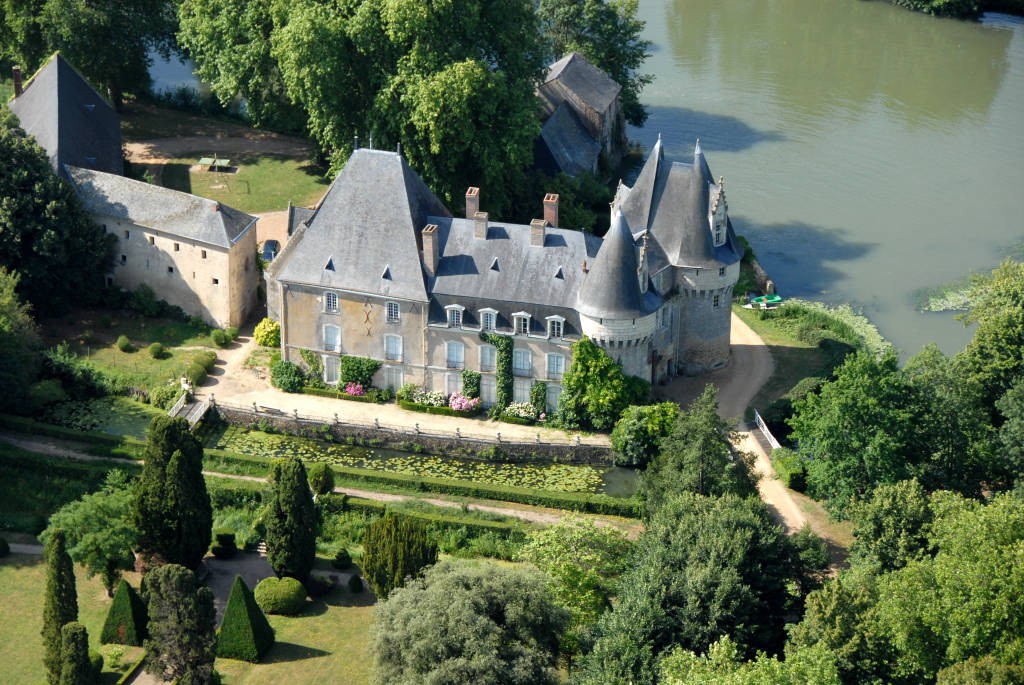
(524,512)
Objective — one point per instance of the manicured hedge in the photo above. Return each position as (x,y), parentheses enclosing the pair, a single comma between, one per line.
(127,618)
(789,466)
(473,525)
(373,395)
(431,409)
(245,632)
(285,596)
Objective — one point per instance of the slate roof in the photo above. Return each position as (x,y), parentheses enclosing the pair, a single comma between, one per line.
(298,216)
(571,147)
(367,226)
(611,289)
(670,200)
(575,74)
(70,120)
(170,211)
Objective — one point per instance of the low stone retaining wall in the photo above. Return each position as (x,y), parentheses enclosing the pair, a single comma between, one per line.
(395,437)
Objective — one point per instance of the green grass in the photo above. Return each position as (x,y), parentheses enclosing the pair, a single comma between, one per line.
(22,579)
(6,89)
(262,183)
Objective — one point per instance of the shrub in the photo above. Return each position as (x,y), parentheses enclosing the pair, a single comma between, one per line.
(287,376)
(521,410)
(219,337)
(143,300)
(355,584)
(354,389)
(267,333)
(359,370)
(96,664)
(124,344)
(196,374)
(637,435)
(127,618)
(539,397)
(321,478)
(156,351)
(207,359)
(232,333)
(224,546)
(394,548)
(245,632)
(5,548)
(470,383)
(285,596)
(342,559)
(789,466)
(407,393)
(164,395)
(463,404)
(45,393)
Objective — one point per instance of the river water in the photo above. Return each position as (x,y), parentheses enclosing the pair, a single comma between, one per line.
(868,151)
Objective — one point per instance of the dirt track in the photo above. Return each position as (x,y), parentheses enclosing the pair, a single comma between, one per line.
(159,150)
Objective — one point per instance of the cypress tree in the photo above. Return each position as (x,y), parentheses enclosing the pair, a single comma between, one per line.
(126,620)
(75,667)
(60,603)
(172,509)
(395,547)
(245,632)
(291,523)
(181,643)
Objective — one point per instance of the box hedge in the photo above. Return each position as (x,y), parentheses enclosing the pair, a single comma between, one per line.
(244,633)
(789,466)
(127,618)
(285,596)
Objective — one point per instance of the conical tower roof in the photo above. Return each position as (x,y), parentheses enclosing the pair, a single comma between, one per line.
(611,289)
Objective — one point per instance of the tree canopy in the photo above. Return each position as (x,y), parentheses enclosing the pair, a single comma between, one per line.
(181,643)
(468,623)
(291,522)
(60,602)
(395,548)
(19,342)
(595,390)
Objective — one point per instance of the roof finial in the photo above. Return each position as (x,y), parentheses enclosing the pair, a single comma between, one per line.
(696,150)
(721,182)
(355,145)
(399,148)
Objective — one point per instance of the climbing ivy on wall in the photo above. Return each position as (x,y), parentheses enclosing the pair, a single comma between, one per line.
(503,381)
(470,383)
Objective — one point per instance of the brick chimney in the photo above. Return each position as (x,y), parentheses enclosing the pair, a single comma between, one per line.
(16,74)
(472,202)
(537,231)
(431,250)
(479,224)
(551,209)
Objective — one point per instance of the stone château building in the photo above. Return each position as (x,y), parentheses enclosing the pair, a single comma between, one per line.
(381,269)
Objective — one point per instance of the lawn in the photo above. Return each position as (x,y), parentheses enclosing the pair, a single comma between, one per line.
(255,183)
(22,579)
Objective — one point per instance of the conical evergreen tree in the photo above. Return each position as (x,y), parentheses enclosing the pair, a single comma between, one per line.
(245,632)
(395,547)
(291,523)
(60,603)
(75,668)
(127,618)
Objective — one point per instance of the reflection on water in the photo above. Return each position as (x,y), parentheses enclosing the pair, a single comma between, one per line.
(869,151)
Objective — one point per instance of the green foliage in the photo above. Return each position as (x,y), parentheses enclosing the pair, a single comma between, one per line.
(697,456)
(156,350)
(43,394)
(231,332)
(19,343)
(165,395)
(98,529)
(219,337)
(355,584)
(983,671)
(1011,433)
(358,370)
(395,548)
(539,397)
(321,478)
(373,395)
(171,510)
(267,333)
(287,376)
(637,435)
(815,323)
(60,602)
(291,522)
(723,664)
(5,548)
(125,344)
(43,228)
(75,667)
(470,383)
(244,631)
(196,374)
(790,468)
(182,644)
(595,391)
(503,379)
(963,9)
(584,563)
(224,546)
(144,301)
(285,596)
(127,618)
(892,528)
(608,33)
(342,560)
(468,623)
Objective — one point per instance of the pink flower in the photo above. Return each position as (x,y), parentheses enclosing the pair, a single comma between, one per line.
(354,389)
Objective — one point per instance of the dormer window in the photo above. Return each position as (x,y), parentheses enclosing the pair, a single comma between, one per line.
(454,314)
(488,319)
(521,323)
(556,326)
(330,301)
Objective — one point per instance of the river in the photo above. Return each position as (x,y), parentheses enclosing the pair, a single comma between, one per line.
(868,151)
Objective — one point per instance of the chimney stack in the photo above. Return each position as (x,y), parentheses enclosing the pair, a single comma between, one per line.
(551,209)
(479,223)
(472,202)
(16,74)
(431,250)
(537,230)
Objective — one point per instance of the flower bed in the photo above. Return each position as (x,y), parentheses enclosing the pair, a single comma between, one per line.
(373,395)
(434,409)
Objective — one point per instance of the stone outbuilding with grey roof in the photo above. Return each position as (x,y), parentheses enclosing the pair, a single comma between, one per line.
(381,269)
(193,252)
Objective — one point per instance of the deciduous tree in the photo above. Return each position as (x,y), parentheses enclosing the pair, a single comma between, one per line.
(891,528)
(723,664)
(19,343)
(637,436)
(595,391)
(291,522)
(181,642)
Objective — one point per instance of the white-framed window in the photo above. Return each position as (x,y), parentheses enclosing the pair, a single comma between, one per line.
(556,326)
(454,312)
(521,323)
(488,319)
(453,383)
(488,391)
(332,338)
(393,377)
(556,366)
(393,348)
(455,354)
(553,393)
(521,390)
(394,312)
(330,301)
(332,368)
(521,362)
(488,358)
